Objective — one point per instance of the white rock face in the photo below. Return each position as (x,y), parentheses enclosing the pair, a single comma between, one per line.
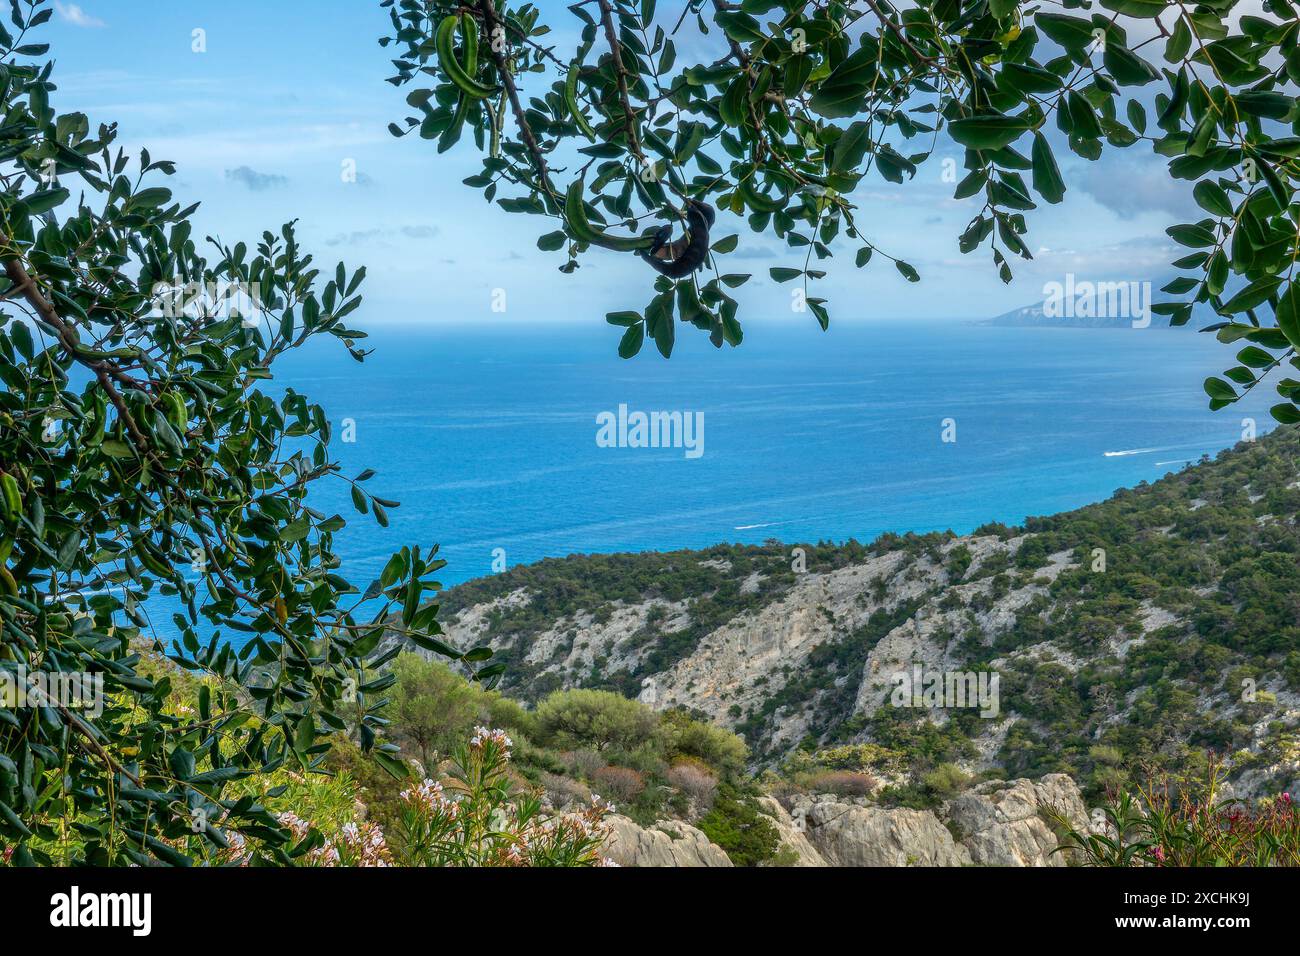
(744,661)
(996,824)
(851,835)
(923,638)
(666,843)
(1004,824)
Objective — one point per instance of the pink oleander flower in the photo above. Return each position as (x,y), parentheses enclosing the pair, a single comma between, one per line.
(324,855)
(483,736)
(430,797)
(365,844)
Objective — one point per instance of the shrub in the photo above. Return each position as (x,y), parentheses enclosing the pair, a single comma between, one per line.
(718,747)
(583,763)
(477,818)
(622,784)
(1184,823)
(144,452)
(565,791)
(595,719)
(376,789)
(433,708)
(696,783)
(510,715)
(946,780)
(738,826)
(857,757)
(844,783)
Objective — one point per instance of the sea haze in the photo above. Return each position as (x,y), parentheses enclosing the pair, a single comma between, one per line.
(487,435)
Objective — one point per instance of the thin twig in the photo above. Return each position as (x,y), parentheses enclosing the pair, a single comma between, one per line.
(493,22)
(620,72)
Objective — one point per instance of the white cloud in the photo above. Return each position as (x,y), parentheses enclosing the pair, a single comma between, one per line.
(1132,185)
(254,180)
(78,17)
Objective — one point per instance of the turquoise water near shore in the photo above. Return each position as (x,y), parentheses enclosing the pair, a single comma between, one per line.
(487,435)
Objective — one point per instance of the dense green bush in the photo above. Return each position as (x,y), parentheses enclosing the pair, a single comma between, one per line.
(737,824)
(595,719)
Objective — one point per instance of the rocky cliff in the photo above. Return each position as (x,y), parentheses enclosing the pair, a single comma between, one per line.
(999,824)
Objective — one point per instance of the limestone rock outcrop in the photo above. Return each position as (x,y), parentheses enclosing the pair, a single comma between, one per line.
(797,848)
(1008,824)
(850,834)
(666,843)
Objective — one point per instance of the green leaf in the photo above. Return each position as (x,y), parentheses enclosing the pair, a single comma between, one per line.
(988,131)
(152,197)
(1254,357)
(1220,390)
(304,734)
(1288,314)
(1137,117)
(1127,67)
(1047,176)
(842,93)
(44,200)
(1202,133)
(1028,78)
(851,147)
(632,340)
(725,245)
(296,530)
(1253,295)
(1191,235)
(1142,9)
(1269,104)
(552,241)
(659,322)
(740,27)
(1180,41)
(1211,197)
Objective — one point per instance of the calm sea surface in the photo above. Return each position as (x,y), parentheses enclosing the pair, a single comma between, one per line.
(487,436)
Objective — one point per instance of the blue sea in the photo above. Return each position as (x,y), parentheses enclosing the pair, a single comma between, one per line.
(487,435)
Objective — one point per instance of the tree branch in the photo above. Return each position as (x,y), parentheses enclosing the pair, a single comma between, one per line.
(492,20)
(104,371)
(888,21)
(620,72)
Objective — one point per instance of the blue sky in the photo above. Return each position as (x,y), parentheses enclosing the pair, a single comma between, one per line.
(288,91)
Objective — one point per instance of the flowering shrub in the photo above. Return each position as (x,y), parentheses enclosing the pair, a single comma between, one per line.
(356,844)
(473,818)
(476,819)
(1188,825)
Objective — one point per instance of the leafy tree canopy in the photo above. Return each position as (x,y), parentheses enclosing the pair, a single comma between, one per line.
(798,102)
(140,455)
